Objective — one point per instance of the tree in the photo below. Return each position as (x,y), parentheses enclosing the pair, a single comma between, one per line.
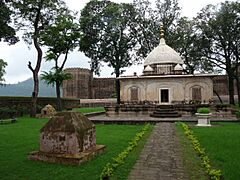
(220,33)
(149,18)
(61,38)
(56,77)
(109,35)
(33,17)
(7,33)
(2,70)
(188,43)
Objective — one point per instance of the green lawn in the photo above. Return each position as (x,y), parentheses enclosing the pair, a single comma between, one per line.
(89,109)
(191,162)
(222,144)
(18,139)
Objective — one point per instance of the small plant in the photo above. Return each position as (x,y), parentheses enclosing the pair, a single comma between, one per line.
(214,174)
(109,168)
(203,110)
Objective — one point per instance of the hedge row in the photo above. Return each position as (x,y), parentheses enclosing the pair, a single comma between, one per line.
(109,168)
(214,174)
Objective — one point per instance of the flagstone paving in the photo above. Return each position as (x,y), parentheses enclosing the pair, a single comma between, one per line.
(161,157)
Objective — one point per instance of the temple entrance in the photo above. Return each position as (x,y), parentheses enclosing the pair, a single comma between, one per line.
(164,96)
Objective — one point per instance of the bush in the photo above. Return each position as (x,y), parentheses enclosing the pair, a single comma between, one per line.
(203,110)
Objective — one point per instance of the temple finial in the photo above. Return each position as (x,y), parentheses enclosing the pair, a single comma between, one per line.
(161,30)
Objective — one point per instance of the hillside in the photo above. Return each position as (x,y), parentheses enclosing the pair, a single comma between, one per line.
(25,88)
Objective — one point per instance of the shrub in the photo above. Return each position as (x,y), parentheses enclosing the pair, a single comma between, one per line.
(203,110)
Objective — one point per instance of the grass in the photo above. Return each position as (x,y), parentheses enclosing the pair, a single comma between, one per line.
(89,109)
(222,145)
(191,162)
(18,139)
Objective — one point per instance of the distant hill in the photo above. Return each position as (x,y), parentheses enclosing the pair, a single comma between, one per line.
(25,88)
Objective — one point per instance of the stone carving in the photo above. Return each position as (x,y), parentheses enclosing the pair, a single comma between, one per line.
(47,112)
(67,138)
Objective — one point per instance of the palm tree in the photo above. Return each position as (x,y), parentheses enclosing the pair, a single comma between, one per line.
(56,77)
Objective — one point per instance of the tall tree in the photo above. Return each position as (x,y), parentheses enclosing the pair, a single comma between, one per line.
(187,41)
(220,28)
(149,18)
(61,38)
(33,17)
(7,33)
(2,70)
(109,35)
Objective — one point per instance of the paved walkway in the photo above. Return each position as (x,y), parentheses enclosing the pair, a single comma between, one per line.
(161,157)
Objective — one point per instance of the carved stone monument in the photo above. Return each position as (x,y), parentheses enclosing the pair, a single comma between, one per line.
(47,112)
(67,138)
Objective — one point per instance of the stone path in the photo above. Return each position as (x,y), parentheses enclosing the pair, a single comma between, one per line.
(161,156)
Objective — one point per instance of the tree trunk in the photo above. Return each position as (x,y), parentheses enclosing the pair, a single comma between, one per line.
(38,64)
(34,95)
(218,96)
(118,87)
(58,92)
(231,88)
(238,90)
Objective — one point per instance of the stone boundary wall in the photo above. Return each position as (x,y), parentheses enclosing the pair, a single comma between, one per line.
(24,103)
(97,102)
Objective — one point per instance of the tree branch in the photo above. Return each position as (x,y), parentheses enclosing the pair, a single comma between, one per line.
(30,66)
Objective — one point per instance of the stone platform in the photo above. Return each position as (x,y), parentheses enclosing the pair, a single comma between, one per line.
(140,119)
(67,159)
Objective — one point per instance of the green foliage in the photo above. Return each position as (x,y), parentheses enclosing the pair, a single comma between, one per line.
(108,34)
(3,64)
(109,168)
(54,76)
(148,23)
(7,33)
(203,110)
(219,27)
(221,143)
(213,173)
(191,161)
(15,145)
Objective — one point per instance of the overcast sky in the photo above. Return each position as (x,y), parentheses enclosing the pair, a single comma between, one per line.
(18,55)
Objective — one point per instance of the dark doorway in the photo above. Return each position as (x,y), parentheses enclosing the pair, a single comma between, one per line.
(164,95)
(196,94)
(134,94)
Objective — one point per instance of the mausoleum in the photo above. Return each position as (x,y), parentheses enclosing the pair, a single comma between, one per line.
(164,81)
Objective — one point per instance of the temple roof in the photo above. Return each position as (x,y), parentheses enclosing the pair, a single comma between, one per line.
(163,54)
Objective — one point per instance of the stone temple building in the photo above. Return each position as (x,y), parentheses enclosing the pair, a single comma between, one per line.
(164,82)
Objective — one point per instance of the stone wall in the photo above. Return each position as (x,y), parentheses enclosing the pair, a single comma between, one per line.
(84,86)
(80,84)
(23,104)
(103,88)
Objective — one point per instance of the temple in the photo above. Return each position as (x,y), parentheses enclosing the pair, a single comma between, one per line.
(164,82)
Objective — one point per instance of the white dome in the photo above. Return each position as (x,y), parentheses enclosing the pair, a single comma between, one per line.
(148,69)
(178,67)
(163,54)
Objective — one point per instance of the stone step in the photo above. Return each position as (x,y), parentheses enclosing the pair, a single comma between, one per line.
(164,107)
(165,112)
(165,115)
